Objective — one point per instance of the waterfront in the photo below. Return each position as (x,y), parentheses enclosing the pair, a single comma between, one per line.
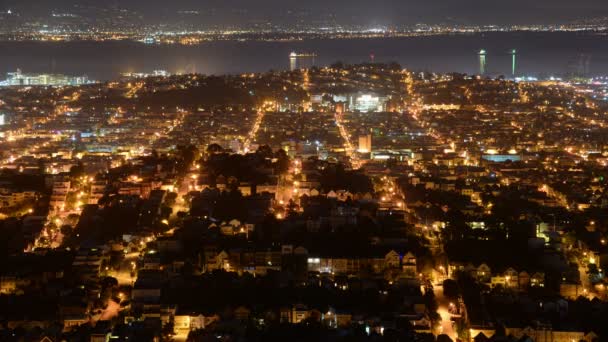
(538,54)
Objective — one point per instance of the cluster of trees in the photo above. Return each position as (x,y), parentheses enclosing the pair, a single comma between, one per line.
(336,177)
(199,92)
(251,167)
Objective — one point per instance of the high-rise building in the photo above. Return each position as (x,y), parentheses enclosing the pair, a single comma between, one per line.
(365,143)
(2,119)
(301,60)
(579,67)
(482,62)
(293,61)
(513,62)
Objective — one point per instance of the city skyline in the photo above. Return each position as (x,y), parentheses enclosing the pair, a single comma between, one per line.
(382,13)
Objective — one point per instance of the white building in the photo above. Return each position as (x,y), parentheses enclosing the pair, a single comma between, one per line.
(18,78)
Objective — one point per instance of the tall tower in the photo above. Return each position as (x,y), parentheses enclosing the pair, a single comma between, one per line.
(482,62)
(293,61)
(513,62)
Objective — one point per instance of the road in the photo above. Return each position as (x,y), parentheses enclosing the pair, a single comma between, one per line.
(443,311)
(349,148)
(123,274)
(110,312)
(588,289)
(254,131)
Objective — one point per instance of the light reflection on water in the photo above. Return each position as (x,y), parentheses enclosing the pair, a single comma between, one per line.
(538,53)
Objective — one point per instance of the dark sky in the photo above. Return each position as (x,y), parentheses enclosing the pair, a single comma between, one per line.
(349,11)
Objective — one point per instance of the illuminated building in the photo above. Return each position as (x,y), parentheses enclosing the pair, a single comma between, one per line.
(293,61)
(501,158)
(2,119)
(301,60)
(340,98)
(18,78)
(367,103)
(365,143)
(316,99)
(149,40)
(513,62)
(398,154)
(482,62)
(155,73)
(340,107)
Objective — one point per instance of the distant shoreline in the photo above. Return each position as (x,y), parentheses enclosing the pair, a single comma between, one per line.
(199,37)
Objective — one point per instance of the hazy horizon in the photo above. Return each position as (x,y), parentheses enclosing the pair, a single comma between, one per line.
(340,12)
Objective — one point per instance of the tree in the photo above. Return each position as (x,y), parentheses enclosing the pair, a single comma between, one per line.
(281,166)
(188,153)
(337,178)
(450,289)
(168,331)
(463,330)
(265,151)
(77,170)
(431,306)
(108,282)
(66,230)
(337,65)
(214,148)
(444,338)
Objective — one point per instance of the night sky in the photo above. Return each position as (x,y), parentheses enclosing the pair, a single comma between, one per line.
(389,12)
